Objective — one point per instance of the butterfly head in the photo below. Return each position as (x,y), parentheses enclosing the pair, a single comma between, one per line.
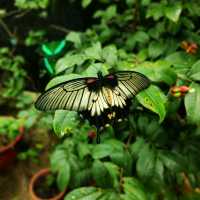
(100,75)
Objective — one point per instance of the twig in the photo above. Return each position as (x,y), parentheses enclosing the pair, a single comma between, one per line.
(5,27)
(60,28)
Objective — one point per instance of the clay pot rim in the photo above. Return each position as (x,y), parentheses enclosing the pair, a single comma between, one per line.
(12,143)
(35,177)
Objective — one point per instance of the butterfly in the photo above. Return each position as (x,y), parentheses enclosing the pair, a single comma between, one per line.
(102,99)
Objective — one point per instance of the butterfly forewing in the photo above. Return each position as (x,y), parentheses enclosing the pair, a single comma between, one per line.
(64,96)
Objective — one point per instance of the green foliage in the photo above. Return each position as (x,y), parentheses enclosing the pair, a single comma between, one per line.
(10,127)
(145,156)
(12,73)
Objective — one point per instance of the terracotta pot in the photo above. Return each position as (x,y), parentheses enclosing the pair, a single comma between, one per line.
(42,172)
(8,152)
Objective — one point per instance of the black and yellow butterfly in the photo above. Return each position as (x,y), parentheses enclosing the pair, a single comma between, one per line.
(102,100)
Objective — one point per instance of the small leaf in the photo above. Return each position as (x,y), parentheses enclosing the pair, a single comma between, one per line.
(94,52)
(192,104)
(70,60)
(173,11)
(155,10)
(133,190)
(156,49)
(153,99)
(109,53)
(86,3)
(74,37)
(194,73)
(137,146)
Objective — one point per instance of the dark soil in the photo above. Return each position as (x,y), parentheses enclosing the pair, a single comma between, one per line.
(45,187)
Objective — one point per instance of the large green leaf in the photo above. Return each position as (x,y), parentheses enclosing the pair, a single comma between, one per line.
(181,61)
(159,71)
(153,99)
(192,104)
(101,174)
(83,193)
(146,162)
(60,79)
(194,72)
(63,176)
(173,161)
(64,122)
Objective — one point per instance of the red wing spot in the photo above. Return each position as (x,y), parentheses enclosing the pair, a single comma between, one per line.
(110,77)
(91,80)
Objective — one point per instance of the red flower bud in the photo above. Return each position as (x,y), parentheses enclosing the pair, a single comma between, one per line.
(184,88)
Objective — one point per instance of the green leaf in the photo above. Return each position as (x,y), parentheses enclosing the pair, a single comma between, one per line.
(156,49)
(60,79)
(133,190)
(114,173)
(153,99)
(137,146)
(70,60)
(80,193)
(84,150)
(159,71)
(155,10)
(109,53)
(192,104)
(63,176)
(101,151)
(141,36)
(146,163)
(107,14)
(194,72)
(101,174)
(181,61)
(86,3)
(173,161)
(94,52)
(93,69)
(173,11)
(74,37)
(65,122)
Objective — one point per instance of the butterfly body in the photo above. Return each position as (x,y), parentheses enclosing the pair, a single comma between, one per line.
(102,99)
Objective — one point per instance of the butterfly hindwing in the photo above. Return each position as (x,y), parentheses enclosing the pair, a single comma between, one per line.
(130,83)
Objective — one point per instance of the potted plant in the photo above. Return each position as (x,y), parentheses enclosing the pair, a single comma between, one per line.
(43,186)
(11,133)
